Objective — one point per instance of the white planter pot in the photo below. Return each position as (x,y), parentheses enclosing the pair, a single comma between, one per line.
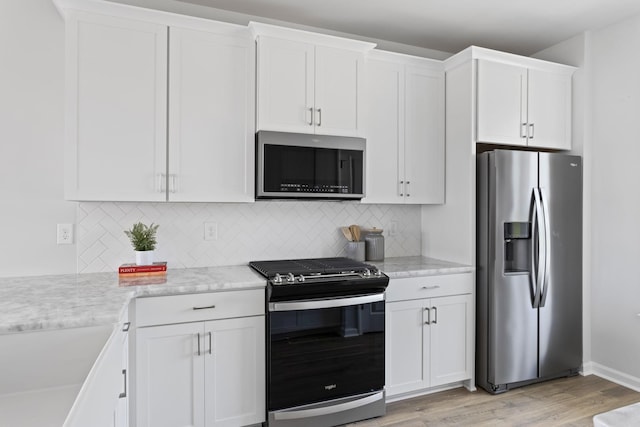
(144,257)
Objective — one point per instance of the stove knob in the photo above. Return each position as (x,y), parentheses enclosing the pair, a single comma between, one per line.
(290,278)
(377,273)
(277,279)
(366,273)
(301,278)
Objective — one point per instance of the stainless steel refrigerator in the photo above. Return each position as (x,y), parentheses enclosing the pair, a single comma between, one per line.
(529,268)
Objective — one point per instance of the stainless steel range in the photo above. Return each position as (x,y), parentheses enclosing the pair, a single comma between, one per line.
(325,341)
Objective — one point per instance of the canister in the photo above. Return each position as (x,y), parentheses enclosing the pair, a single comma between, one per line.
(355,250)
(374,245)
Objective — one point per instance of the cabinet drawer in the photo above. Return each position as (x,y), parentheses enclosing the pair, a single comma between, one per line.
(429,286)
(197,307)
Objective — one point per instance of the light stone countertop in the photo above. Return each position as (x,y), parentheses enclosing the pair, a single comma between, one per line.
(80,300)
(418,266)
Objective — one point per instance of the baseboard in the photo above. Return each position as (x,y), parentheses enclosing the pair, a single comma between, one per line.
(423,392)
(613,375)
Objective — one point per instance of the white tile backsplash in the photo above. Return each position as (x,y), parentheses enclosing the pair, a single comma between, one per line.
(253,231)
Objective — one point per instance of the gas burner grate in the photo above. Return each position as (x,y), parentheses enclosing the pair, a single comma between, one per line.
(309,266)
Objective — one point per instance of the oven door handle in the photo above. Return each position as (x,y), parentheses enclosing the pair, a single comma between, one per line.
(324,303)
(315,412)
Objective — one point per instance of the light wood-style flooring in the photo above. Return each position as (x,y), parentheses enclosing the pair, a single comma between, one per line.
(562,402)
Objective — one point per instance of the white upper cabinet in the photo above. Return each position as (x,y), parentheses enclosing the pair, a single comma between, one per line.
(285,85)
(116,108)
(526,105)
(211,106)
(308,83)
(160,107)
(404,119)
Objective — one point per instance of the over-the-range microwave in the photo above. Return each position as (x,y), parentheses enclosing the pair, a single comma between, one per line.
(302,166)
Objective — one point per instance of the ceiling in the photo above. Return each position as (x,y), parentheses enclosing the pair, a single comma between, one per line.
(518,26)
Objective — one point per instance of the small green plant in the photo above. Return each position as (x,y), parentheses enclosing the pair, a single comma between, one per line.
(143,238)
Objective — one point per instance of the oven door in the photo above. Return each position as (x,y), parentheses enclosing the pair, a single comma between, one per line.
(326,349)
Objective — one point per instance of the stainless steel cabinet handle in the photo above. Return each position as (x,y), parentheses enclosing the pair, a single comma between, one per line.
(319,116)
(204,308)
(401,188)
(523,130)
(210,341)
(408,182)
(172,183)
(162,179)
(430,287)
(198,343)
(428,321)
(124,393)
(126,326)
(435,315)
(532,129)
(310,116)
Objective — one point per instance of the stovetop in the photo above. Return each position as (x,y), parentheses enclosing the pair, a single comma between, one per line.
(311,267)
(319,278)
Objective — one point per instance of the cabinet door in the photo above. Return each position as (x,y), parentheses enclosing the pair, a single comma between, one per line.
(338,81)
(170,375)
(501,103)
(235,372)
(116,109)
(211,136)
(406,346)
(423,154)
(549,110)
(384,112)
(451,342)
(285,85)
(121,414)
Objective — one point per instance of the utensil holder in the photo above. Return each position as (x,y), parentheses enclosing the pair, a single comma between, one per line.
(355,250)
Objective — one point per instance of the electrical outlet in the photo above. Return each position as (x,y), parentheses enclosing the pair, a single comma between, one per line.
(65,234)
(210,231)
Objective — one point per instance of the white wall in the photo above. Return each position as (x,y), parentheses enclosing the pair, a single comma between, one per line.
(31,139)
(615,67)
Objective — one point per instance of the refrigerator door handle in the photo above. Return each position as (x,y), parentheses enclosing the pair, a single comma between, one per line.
(538,258)
(547,249)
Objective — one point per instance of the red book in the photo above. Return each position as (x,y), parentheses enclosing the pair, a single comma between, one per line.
(134,268)
(143,274)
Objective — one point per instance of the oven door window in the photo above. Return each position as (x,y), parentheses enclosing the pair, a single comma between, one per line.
(323,354)
(312,170)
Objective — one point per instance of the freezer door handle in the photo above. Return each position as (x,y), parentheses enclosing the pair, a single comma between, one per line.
(546,253)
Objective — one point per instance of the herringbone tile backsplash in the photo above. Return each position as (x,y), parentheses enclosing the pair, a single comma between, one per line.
(253,231)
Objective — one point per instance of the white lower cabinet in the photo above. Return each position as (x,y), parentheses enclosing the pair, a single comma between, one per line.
(103,400)
(429,340)
(204,373)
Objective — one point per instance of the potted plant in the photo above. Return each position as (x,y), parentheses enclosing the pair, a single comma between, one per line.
(143,240)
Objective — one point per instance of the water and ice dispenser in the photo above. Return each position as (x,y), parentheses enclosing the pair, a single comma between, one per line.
(517,247)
